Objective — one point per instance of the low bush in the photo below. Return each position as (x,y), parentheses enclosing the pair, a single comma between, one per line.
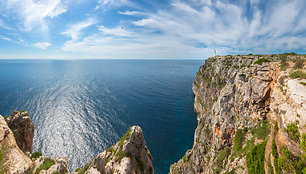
(35,155)
(256,159)
(261,61)
(48,162)
(223,154)
(298,74)
(292,131)
(303,142)
(239,139)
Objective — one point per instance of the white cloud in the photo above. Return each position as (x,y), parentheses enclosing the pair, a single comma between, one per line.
(74,30)
(33,14)
(115,3)
(193,29)
(42,45)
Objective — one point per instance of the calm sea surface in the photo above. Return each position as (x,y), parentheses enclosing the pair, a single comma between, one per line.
(79,108)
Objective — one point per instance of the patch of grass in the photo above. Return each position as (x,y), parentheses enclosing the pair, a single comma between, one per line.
(77,169)
(125,137)
(84,169)
(256,159)
(298,75)
(239,139)
(57,172)
(223,154)
(262,130)
(2,160)
(35,155)
(293,132)
(261,61)
(47,163)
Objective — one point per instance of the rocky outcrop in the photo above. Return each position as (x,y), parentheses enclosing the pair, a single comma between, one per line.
(16,140)
(21,125)
(234,100)
(12,159)
(129,155)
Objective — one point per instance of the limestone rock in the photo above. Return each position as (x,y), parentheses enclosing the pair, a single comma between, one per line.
(237,95)
(129,155)
(21,125)
(12,159)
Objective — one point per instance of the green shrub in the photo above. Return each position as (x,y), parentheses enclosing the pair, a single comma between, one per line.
(262,130)
(303,142)
(281,163)
(303,83)
(275,128)
(223,154)
(239,139)
(286,153)
(261,61)
(77,169)
(35,155)
(256,159)
(83,170)
(48,162)
(298,74)
(292,131)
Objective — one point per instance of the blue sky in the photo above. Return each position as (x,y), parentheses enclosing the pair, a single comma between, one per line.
(149,29)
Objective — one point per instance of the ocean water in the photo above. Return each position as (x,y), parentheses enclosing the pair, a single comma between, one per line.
(81,107)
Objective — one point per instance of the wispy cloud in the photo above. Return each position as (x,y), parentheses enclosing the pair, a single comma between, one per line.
(42,45)
(75,30)
(33,14)
(171,29)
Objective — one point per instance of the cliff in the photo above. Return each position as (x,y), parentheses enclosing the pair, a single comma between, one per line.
(129,155)
(251,116)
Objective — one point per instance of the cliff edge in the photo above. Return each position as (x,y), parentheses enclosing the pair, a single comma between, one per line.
(251,111)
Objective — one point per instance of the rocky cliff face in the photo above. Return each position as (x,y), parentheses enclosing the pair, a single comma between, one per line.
(21,125)
(129,155)
(243,117)
(12,159)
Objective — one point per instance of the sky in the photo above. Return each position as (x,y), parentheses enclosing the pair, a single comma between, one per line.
(149,29)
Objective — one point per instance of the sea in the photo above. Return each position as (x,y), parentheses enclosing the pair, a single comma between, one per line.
(81,107)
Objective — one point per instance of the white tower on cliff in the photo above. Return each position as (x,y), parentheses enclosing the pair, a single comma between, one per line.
(215,53)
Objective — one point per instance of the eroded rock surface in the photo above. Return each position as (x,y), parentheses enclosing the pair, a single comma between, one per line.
(129,155)
(21,125)
(12,159)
